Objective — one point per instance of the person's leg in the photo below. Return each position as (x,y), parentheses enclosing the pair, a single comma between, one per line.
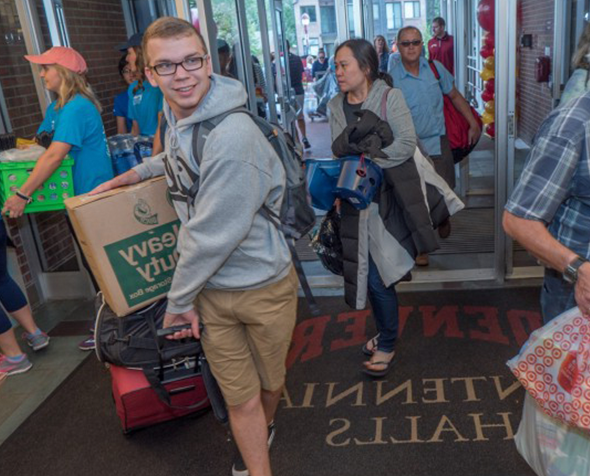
(8,344)
(301,121)
(13,361)
(557,295)
(385,312)
(24,317)
(269,335)
(270,402)
(444,164)
(248,424)
(302,128)
(15,303)
(226,346)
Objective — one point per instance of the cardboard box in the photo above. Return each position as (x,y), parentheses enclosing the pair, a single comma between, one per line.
(129,237)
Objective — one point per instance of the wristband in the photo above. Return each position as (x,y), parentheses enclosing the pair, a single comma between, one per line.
(24,197)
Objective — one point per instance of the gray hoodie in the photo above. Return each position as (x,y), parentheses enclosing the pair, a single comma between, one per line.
(224,243)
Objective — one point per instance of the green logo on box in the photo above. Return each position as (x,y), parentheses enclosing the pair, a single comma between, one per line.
(144,263)
(143,213)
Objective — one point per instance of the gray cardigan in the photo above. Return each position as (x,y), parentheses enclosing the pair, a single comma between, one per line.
(398,117)
(370,230)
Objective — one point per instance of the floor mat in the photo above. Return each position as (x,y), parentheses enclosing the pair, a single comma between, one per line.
(449,406)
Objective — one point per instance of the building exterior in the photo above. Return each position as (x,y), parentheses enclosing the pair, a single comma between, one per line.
(315,21)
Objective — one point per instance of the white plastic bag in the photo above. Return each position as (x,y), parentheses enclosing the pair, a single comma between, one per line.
(549,446)
(32,152)
(554,367)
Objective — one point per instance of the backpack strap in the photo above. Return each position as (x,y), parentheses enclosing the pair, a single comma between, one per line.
(384,104)
(163,127)
(203,129)
(311,302)
(434,70)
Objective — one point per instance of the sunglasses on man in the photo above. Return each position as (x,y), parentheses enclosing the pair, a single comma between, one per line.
(406,43)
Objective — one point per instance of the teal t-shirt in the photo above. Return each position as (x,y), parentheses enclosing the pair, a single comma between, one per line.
(144,106)
(79,124)
(424,97)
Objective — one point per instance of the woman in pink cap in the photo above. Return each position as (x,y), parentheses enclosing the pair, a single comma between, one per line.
(74,122)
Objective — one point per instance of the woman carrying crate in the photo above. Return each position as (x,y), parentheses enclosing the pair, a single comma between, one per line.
(75,124)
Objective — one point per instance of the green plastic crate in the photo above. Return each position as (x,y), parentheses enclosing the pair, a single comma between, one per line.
(50,196)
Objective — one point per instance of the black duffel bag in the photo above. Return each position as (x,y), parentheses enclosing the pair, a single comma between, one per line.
(132,342)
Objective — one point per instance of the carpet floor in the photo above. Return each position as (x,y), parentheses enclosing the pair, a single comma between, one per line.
(449,407)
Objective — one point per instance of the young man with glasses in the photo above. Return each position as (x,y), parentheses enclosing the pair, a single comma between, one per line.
(424,96)
(234,274)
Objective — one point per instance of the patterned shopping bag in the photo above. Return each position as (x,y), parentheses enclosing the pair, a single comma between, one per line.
(554,367)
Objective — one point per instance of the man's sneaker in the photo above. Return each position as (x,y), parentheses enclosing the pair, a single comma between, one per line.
(306,143)
(10,367)
(87,344)
(36,341)
(239,467)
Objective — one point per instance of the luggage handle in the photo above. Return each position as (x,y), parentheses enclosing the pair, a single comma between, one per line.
(179,390)
(165,396)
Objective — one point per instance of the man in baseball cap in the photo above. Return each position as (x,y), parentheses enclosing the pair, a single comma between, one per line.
(62,55)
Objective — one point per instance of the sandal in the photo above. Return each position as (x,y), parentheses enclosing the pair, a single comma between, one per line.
(382,372)
(371,345)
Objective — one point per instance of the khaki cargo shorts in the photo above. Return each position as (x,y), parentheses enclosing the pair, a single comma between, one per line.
(247,336)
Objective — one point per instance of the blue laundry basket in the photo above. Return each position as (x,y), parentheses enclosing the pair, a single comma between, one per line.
(322,176)
(358,182)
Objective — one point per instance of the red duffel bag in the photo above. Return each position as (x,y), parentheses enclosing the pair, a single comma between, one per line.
(456,125)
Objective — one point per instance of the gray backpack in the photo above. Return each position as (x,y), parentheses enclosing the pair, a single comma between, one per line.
(297,216)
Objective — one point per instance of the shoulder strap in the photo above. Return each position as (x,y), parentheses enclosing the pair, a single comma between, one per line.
(384,104)
(434,70)
(200,133)
(203,129)
(163,127)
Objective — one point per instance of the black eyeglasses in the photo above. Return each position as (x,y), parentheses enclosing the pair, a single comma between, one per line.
(405,44)
(189,64)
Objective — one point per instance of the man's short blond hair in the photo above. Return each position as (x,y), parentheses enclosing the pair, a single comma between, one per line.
(169,27)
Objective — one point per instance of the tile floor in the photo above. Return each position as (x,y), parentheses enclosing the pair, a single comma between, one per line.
(22,394)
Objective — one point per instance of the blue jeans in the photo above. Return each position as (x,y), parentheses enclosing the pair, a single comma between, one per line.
(385,311)
(557,296)
(11,297)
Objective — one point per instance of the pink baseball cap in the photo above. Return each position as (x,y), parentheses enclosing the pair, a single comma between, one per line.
(62,55)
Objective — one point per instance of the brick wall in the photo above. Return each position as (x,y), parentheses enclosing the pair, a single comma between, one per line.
(15,74)
(95,27)
(534,99)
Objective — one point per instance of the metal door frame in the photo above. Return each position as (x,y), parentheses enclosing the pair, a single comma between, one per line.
(506,134)
(342,31)
(284,98)
(265,41)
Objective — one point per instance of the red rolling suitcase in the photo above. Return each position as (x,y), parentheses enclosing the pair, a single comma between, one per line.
(139,406)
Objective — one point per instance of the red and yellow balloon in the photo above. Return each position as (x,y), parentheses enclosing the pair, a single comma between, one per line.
(486,19)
